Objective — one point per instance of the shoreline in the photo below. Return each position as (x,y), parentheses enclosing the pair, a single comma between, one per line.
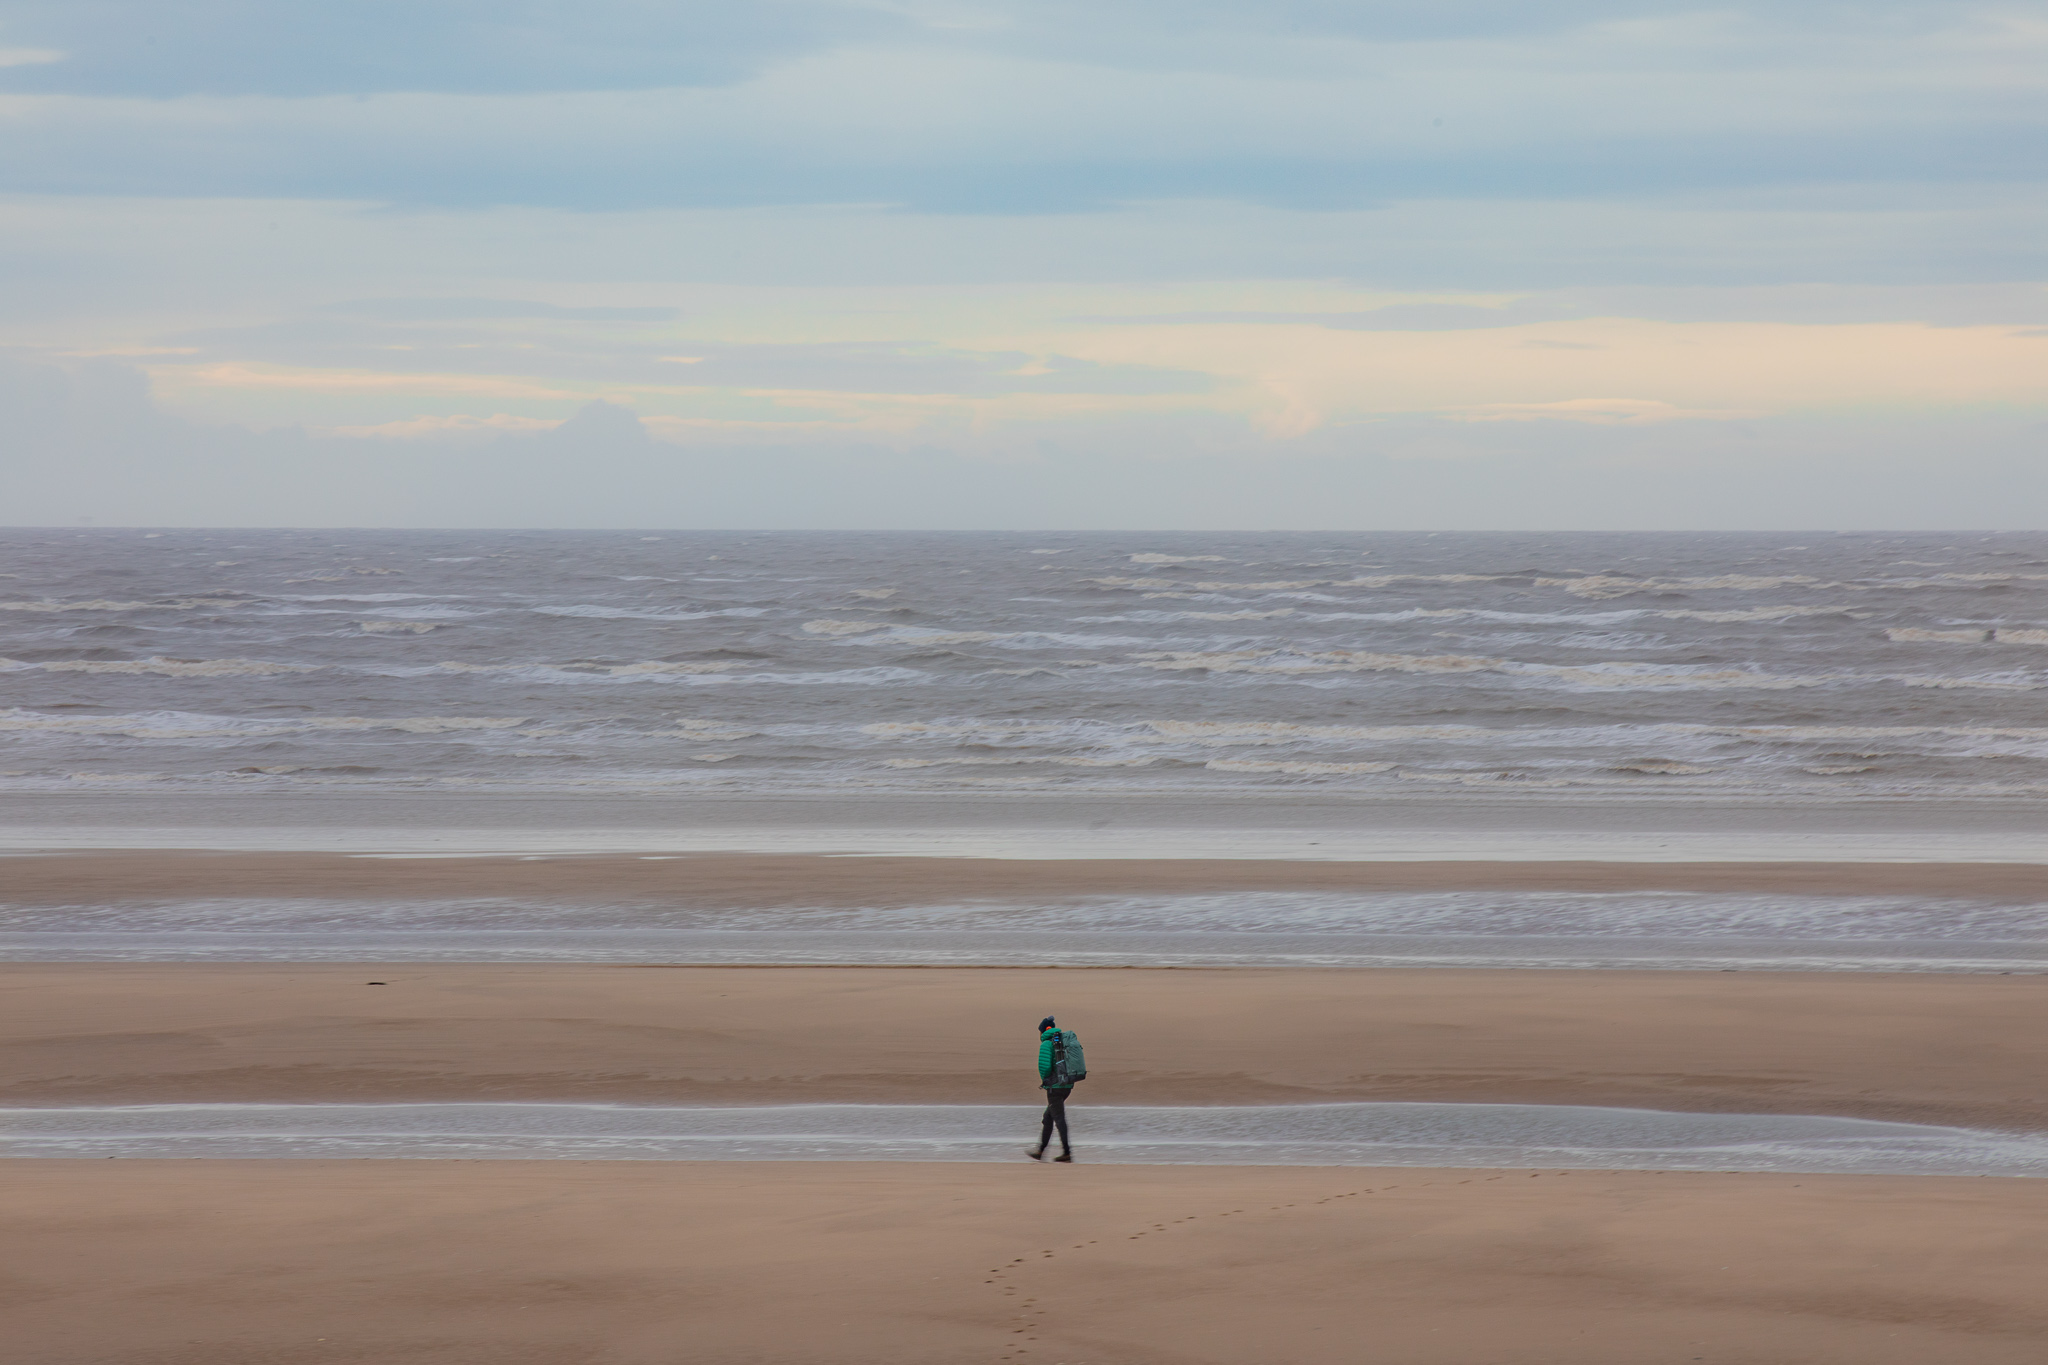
(1649,826)
(742,879)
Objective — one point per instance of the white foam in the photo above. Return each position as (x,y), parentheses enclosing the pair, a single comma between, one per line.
(572,673)
(1779,613)
(844,677)
(598,613)
(1295,584)
(2008,683)
(1272,586)
(1069,761)
(344,575)
(1004,726)
(707,729)
(916,635)
(1312,661)
(103,604)
(168,668)
(842,627)
(184,725)
(1604,676)
(1598,675)
(1165,616)
(1518,618)
(1246,765)
(1211,733)
(1614,585)
(1913,635)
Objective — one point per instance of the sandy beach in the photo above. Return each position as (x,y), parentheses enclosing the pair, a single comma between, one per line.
(625,1263)
(1921,1047)
(144,1262)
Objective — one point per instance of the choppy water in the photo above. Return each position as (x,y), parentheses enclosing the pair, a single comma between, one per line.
(583,662)
(1483,1136)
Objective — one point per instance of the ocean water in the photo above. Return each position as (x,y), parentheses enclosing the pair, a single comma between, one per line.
(1098,695)
(1468,1136)
(1663,931)
(1789,667)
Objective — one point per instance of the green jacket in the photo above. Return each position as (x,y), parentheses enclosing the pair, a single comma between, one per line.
(1045,1040)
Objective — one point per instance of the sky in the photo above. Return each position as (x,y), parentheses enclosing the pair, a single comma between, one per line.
(1423,264)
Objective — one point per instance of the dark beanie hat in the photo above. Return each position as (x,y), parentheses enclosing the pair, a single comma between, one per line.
(1045,1023)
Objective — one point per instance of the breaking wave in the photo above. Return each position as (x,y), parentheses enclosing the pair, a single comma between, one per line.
(184,725)
(1844,667)
(168,668)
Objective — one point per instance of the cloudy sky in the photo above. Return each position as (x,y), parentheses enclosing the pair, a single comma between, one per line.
(988,263)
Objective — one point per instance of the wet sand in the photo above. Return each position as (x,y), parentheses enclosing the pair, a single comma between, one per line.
(539,1263)
(764,879)
(1913,1047)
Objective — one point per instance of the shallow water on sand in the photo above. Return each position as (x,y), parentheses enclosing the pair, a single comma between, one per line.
(1364,1134)
(1320,929)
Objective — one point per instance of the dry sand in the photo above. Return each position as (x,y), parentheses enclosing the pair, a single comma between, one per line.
(1923,1048)
(558,1263)
(744,879)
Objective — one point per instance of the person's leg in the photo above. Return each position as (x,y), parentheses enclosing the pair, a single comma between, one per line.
(1056,1114)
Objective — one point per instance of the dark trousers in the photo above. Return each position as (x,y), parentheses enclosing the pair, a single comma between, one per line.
(1055,1115)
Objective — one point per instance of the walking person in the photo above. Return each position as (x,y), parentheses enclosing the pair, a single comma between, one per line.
(1060,1064)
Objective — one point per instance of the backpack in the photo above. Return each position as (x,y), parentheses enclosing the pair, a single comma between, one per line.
(1068,1062)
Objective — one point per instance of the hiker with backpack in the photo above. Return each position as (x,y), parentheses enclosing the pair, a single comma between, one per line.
(1060,1064)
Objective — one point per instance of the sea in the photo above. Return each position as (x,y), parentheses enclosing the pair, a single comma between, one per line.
(1813,666)
(1673,696)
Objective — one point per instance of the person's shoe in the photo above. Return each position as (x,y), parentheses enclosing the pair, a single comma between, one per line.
(1067,1155)
(1035,1153)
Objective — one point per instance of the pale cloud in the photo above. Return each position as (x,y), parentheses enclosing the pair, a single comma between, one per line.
(826,260)
(1295,378)
(87,444)
(1599,412)
(337,381)
(460,424)
(1285,379)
